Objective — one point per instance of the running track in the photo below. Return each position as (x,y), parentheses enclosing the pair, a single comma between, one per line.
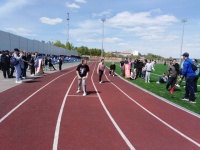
(46,113)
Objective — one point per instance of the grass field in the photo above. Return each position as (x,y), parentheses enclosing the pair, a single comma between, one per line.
(159,89)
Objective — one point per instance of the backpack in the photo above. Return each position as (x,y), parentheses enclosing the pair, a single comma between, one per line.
(194,67)
(13,61)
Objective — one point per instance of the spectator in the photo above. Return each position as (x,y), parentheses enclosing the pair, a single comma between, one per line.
(82,74)
(143,69)
(140,65)
(148,67)
(112,69)
(130,64)
(11,67)
(190,75)
(126,61)
(172,74)
(122,66)
(197,75)
(60,63)
(101,69)
(18,56)
(133,74)
(31,64)
(36,61)
(5,63)
(51,64)
(24,65)
(162,79)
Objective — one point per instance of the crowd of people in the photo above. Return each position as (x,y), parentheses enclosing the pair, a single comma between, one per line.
(20,61)
(174,75)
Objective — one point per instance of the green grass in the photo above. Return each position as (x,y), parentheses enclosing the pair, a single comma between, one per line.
(159,89)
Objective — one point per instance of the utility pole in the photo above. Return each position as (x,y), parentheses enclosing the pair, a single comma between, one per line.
(67,28)
(102,50)
(183,21)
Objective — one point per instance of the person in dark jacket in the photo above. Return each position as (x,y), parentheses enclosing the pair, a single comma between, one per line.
(31,65)
(172,74)
(51,64)
(112,69)
(60,63)
(197,75)
(190,75)
(5,64)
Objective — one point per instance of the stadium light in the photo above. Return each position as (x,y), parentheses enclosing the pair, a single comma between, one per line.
(103,20)
(67,28)
(183,21)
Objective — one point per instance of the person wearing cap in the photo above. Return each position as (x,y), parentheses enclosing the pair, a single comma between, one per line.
(18,57)
(189,75)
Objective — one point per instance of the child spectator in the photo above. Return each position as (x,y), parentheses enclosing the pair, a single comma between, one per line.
(112,69)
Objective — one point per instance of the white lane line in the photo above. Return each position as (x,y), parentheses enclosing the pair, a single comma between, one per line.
(162,121)
(15,108)
(111,118)
(57,130)
(82,96)
(159,97)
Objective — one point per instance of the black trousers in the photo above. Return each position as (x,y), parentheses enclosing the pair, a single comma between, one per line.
(195,83)
(60,67)
(171,81)
(6,70)
(100,75)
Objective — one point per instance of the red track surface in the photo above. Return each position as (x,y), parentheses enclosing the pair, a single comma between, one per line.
(143,120)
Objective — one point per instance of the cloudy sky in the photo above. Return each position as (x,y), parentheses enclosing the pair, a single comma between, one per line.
(147,26)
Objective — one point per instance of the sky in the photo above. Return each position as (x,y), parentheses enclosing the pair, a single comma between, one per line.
(147,26)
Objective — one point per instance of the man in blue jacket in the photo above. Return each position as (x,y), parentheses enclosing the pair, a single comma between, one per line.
(189,75)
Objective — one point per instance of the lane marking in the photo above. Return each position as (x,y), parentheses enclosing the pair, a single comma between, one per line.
(161,98)
(82,96)
(162,121)
(110,116)
(57,130)
(15,108)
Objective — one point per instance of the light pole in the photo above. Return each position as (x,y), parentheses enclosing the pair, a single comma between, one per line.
(67,28)
(103,20)
(183,21)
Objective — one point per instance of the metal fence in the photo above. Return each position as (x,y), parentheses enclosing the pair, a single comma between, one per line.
(10,41)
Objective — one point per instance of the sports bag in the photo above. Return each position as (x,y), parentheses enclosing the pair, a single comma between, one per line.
(13,61)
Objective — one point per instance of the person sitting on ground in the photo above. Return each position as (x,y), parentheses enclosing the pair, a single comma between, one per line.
(133,74)
(112,69)
(162,79)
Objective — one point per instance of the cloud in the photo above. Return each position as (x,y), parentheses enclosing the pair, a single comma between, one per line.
(123,44)
(73,5)
(80,1)
(50,21)
(20,31)
(112,40)
(106,13)
(12,5)
(147,25)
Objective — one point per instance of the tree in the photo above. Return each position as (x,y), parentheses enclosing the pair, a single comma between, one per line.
(69,46)
(59,44)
